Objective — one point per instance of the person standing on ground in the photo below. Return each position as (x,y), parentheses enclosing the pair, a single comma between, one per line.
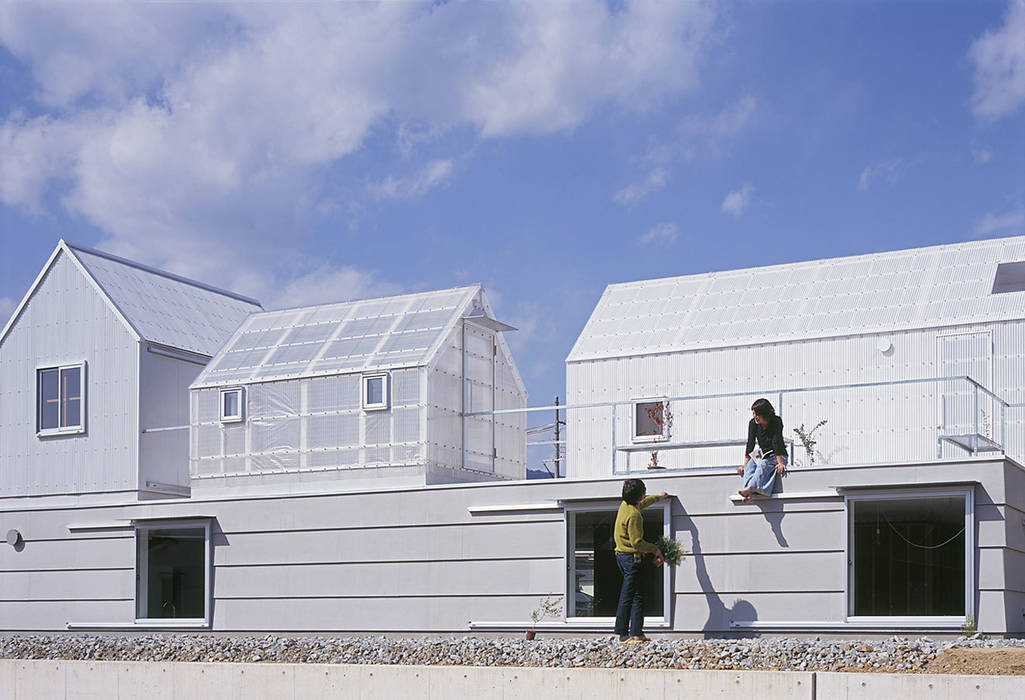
(630,550)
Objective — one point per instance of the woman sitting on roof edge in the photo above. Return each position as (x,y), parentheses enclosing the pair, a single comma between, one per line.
(765,430)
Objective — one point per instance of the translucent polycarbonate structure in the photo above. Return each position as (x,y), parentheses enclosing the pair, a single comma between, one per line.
(883,292)
(374,386)
(359,336)
(807,336)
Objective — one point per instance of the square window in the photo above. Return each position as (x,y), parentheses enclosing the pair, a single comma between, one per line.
(651,421)
(172,570)
(375,392)
(909,556)
(60,398)
(231,405)
(594,577)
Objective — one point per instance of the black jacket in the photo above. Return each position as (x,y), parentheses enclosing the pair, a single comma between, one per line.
(770,438)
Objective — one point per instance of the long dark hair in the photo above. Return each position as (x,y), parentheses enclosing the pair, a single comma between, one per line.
(764,409)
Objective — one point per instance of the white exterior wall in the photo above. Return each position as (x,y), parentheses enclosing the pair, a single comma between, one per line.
(68,321)
(308,425)
(865,425)
(164,403)
(494,445)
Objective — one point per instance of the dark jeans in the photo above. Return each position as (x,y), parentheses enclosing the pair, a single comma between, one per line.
(631,597)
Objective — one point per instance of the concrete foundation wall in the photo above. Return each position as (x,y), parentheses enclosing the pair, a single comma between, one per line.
(74,680)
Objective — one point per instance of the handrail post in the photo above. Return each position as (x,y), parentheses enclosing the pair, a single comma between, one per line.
(1003,427)
(975,419)
(614,443)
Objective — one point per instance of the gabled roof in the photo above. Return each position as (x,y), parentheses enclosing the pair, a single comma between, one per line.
(155,306)
(355,336)
(900,290)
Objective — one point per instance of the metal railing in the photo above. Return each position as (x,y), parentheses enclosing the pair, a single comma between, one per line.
(864,422)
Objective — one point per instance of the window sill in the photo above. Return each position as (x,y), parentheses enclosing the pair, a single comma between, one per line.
(854,623)
(56,432)
(141,624)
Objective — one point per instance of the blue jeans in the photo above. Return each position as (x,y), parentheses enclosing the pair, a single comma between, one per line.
(631,597)
(761,474)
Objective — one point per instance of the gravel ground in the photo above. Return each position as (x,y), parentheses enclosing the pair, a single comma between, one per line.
(896,654)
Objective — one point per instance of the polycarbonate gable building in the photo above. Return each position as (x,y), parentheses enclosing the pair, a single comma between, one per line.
(819,326)
(361,390)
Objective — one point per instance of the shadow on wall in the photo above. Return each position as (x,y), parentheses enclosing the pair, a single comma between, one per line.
(719,614)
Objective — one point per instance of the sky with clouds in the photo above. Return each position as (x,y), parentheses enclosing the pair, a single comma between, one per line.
(314,153)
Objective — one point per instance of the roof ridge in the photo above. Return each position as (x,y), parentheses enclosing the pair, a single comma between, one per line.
(463,288)
(74,247)
(817,261)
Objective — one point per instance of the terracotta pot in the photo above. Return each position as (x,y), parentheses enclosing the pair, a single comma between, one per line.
(530,634)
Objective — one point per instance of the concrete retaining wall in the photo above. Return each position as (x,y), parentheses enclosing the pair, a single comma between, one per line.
(112,680)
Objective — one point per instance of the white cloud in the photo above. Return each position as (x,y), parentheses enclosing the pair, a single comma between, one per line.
(432,175)
(981,156)
(887,171)
(737,201)
(660,234)
(999,59)
(636,191)
(326,284)
(197,137)
(1011,222)
(732,120)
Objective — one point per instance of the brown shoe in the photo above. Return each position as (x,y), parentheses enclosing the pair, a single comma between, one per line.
(636,640)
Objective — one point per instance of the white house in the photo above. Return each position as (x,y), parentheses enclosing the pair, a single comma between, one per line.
(862,342)
(358,467)
(368,392)
(100,350)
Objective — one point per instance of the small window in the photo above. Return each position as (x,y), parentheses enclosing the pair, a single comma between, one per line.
(60,398)
(909,556)
(375,392)
(1010,277)
(172,571)
(651,420)
(231,405)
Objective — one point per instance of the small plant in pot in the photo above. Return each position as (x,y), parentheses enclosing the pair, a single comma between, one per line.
(549,607)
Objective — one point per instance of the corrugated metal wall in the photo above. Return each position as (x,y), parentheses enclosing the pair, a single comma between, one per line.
(864,425)
(67,321)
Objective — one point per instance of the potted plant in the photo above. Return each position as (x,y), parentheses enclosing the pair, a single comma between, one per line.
(549,607)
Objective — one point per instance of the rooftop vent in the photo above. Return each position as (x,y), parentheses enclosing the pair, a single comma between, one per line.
(1010,278)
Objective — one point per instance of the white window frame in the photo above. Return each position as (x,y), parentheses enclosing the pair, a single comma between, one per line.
(241,404)
(142,565)
(385,394)
(67,430)
(633,421)
(569,560)
(927,621)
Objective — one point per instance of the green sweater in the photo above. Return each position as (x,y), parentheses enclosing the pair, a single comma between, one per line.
(629,531)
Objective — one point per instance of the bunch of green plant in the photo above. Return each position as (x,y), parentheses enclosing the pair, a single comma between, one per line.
(807,439)
(551,606)
(968,628)
(671,550)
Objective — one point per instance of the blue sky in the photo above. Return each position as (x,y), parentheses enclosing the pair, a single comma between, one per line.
(329,152)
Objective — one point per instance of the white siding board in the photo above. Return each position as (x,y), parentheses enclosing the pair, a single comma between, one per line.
(66,320)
